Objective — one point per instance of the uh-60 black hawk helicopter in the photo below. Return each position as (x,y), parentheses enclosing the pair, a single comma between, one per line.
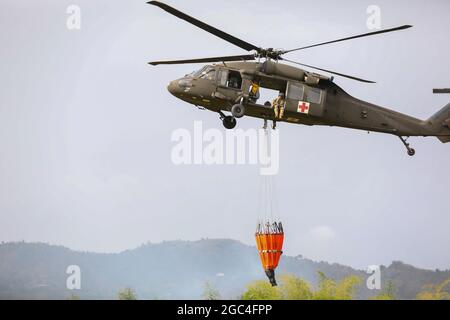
(310,98)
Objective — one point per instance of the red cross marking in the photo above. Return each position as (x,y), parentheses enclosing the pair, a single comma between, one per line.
(303,107)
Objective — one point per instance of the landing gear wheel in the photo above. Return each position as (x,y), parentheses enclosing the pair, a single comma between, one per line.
(411,152)
(229,122)
(238,110)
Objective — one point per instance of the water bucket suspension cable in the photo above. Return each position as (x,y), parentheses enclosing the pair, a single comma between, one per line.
(269,234)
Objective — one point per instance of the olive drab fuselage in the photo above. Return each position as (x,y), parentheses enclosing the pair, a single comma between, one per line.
(311,99)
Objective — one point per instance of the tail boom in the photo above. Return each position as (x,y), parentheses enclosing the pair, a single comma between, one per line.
(439,124)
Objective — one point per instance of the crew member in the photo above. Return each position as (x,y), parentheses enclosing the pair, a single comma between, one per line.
(254,92)
(278,105)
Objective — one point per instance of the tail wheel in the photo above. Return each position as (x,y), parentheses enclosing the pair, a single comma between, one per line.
(409,150)
(229,122)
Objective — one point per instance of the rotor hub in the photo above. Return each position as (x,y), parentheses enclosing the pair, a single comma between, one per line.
(269,53)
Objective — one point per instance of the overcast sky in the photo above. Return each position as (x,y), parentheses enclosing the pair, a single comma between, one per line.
(86,124)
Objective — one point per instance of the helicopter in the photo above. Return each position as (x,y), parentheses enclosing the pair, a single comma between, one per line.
(310,98)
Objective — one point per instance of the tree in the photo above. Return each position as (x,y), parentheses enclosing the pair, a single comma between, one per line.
(388,292)
(435,292)
(127,294)
(261,290)
(346,288)
(326,289)
(209,292)
(329,289)
(294,288)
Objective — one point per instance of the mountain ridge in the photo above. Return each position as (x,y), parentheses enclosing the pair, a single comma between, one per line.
(175,269)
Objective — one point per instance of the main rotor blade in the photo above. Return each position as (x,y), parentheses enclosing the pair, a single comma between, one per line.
(353,37)
(218,33)
(333,72)
(201,60)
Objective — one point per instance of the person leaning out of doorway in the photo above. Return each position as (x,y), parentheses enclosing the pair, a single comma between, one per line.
(278,105)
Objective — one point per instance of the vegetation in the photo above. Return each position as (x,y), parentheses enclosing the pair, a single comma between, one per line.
(261,290)
(177,270)
(209,292)
(73,297)
(294,288)
(435,292)
(127,294)
(388,292)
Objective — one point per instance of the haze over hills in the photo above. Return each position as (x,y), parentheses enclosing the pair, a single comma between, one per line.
(173,270)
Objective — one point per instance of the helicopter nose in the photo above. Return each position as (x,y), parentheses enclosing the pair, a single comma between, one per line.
(174,88)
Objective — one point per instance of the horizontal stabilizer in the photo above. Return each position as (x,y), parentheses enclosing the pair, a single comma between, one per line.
(444,90)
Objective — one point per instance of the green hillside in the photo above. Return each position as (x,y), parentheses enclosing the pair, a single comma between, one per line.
(173,270)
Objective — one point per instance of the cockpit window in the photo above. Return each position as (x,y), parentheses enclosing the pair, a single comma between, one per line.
(223,77)
(209,74)
(197,73)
